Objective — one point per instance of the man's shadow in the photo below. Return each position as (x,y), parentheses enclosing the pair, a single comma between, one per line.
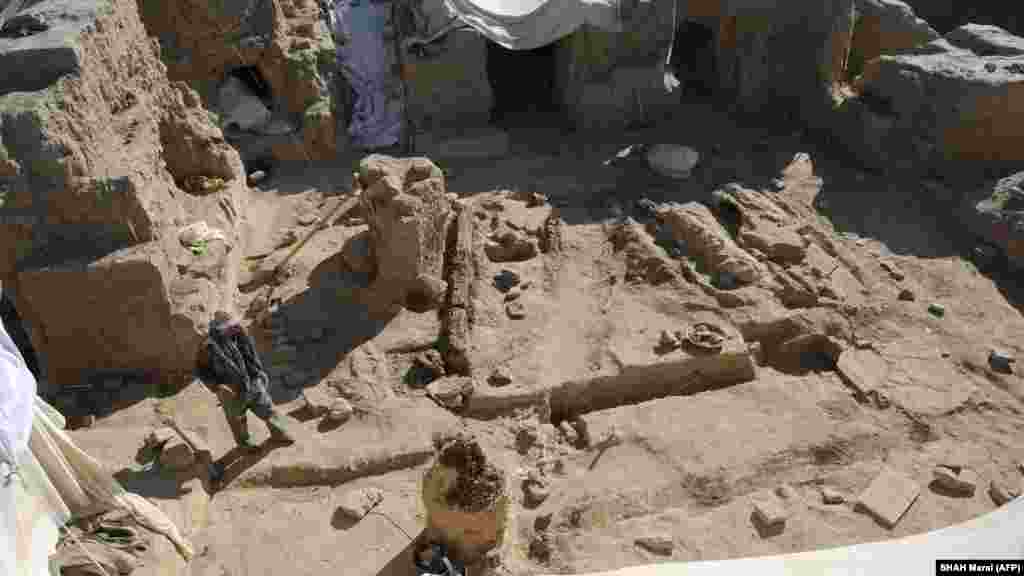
(155,481)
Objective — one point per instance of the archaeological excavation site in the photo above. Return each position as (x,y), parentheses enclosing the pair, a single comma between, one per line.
(588,286)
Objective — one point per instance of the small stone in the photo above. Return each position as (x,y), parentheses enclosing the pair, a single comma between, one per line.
(339,411)
(357,504)
(907,295)
(668,340)
(161,436)
(506,280)
(451,391)
(1002,493)
(832,496)
(659,544)
(786,492)
(307,218)
(963,483)
(515,310)
(769,512)
(778,184)
(937,310)
(499,378)
(177,455)
(535,492)
(1001,361)
(257,177)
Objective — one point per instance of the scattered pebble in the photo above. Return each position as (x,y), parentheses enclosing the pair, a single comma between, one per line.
(660,544)
(937,310)
(786,492)
(357,504)
(832,496)
(907,295)
(506,280)
(257,177)
(963,483)
(1001,361)
(515,310)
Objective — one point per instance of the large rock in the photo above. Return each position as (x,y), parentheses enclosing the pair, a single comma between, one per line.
(886,27)
(996,214)
(920,110)
(695,226)
(408,213)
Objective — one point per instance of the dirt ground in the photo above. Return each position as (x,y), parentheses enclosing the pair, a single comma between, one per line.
(650,449)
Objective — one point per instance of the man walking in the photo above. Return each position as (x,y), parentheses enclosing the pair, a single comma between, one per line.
(230,363)
(363,59)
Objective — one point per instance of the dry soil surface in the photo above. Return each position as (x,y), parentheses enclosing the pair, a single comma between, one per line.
(654,448)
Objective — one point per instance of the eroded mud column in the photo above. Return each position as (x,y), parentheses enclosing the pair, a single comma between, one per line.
(466,497)
(408,212)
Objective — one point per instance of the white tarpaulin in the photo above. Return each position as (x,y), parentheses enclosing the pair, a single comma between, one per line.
(46,480)
(17,393)
(29,522)
(529,24)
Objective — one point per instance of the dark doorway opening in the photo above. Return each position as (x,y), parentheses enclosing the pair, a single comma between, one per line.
(252,79)
(523,85)
(694,58)
(16,330)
